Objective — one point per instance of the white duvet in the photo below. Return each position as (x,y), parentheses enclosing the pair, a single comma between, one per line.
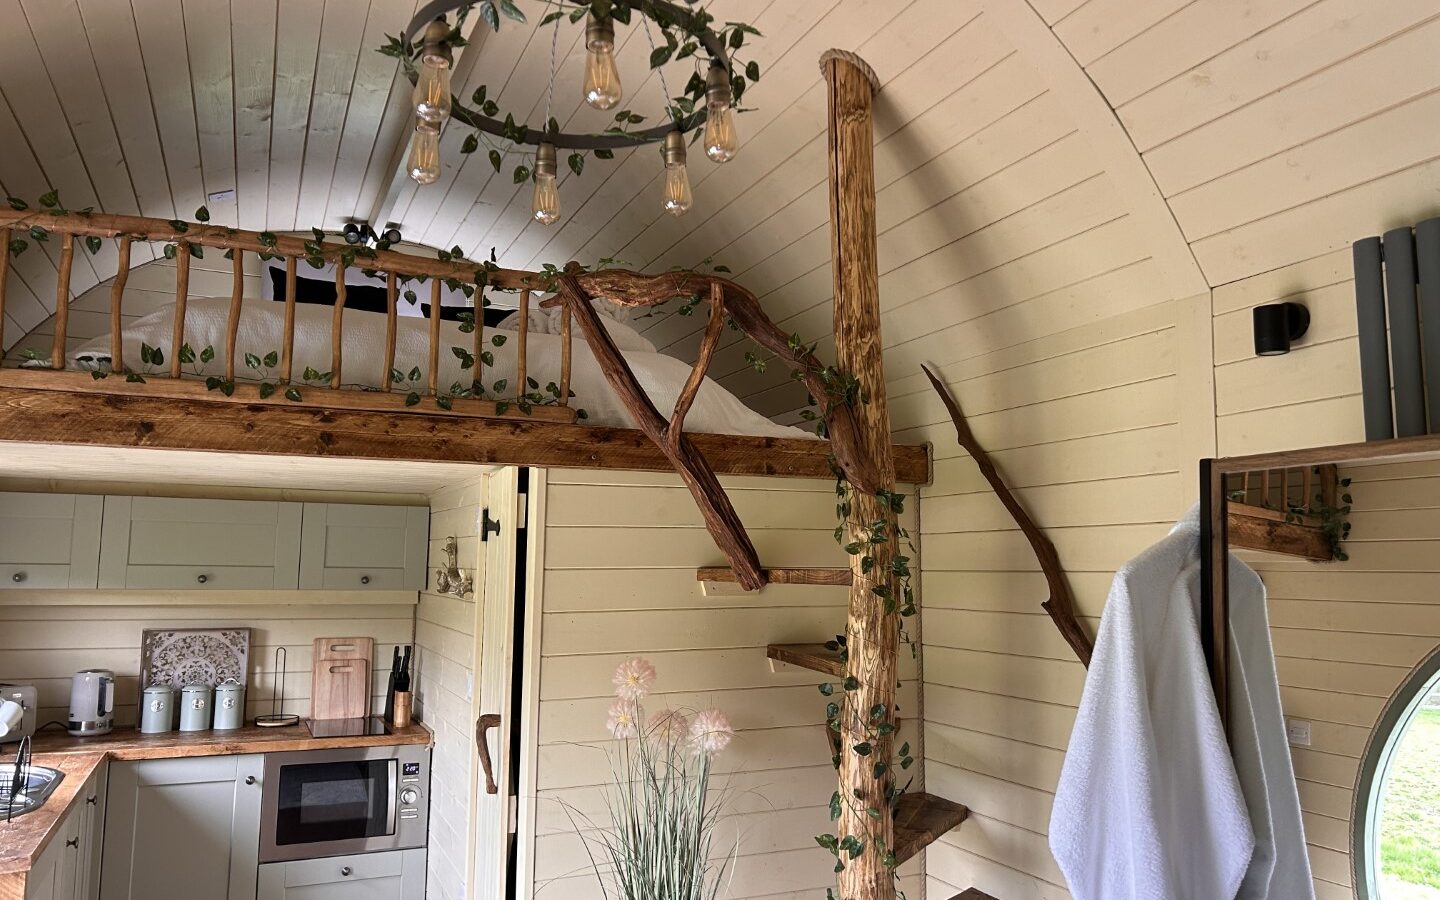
(261,333)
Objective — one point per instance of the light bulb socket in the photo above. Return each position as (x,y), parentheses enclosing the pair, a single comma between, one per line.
(1277,325)
(674,149)
(436,42)
(717,86)
(546,162)
(599,33)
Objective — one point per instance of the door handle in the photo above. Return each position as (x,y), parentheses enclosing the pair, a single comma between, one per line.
(483,725)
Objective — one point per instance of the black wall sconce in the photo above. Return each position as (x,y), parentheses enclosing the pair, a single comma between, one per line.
(1277,325)
(362,233)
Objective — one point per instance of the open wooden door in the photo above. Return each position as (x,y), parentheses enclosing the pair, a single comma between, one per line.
(496,737)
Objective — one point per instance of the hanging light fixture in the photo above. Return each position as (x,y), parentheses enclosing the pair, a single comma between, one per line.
(545,208)
(602,76)
(424,164)
(678,198)
(722,141)
(432,87)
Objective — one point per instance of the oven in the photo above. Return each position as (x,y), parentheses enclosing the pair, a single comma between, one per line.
(320,803)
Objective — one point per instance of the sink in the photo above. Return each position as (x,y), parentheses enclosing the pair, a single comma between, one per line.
(35,785)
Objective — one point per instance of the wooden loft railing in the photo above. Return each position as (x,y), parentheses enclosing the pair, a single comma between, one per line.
(397,268)
(1283,510)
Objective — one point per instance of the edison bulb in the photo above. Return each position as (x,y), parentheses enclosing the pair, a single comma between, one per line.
(722,141)
(546,206)
(432,89)
(424,162)
(678,198)
(602,78)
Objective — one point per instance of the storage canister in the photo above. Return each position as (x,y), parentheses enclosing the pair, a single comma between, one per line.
(195,707)
(229,705)
(157,709)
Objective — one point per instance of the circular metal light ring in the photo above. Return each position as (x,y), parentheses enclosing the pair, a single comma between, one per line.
(566,140)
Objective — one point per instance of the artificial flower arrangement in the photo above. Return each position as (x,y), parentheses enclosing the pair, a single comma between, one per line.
(658,845)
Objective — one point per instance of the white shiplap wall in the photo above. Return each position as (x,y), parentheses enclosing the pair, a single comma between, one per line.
(444,668)
(619,581)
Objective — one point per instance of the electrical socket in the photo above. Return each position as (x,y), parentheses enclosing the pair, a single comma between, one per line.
(1298,732)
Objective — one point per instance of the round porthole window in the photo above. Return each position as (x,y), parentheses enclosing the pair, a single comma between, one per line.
(1395,852)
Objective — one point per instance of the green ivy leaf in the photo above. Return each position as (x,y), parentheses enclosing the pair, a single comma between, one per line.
(292,395)
(207,354)
(497,340)
(202,215)
(863,748)
(93,244)
(835,806)
(16,203)
(50,199)
(252,361)
(443,402)
(521,174)
(577,162)
(266,390)
(412,398)
(38,233)
(470,144)
(18,246)
(501,407)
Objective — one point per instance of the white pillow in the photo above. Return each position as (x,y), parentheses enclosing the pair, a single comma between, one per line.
(547,321)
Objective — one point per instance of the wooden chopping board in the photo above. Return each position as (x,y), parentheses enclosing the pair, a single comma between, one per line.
(340,678)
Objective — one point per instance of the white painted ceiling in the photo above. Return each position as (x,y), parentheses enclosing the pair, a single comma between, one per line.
(1040,165)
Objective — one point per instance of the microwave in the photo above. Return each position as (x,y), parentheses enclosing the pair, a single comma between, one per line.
(318,803)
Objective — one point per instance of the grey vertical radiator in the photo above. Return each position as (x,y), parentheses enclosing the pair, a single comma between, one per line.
(1397,305)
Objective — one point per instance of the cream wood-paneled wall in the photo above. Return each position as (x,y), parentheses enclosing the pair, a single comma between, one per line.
(1092,428)
(619,581)
(444,670)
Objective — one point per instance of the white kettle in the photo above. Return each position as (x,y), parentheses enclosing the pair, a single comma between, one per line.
(92,702)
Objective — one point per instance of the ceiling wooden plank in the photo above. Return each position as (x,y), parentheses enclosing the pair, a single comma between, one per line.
(207,37)
(370,129)
(296,47)
(253,27)
(32,273)
(111,27)
(167,72)
(342,28)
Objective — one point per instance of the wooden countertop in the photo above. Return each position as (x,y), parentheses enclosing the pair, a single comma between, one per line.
(24,839)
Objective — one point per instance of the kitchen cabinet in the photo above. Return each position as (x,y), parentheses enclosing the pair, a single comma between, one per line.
(356,547)
(188,544)
(49,540)
(69,868)
(190,825)
(396,875)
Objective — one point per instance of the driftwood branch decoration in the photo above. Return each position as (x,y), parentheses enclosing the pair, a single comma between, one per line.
(1061,605)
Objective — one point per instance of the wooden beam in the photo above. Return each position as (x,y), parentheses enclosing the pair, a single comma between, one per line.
(815,657)
(34,414)
(726,575)
(873,627)
(1256,528)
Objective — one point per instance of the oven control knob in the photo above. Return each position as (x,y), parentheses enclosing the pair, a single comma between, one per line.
(409,795)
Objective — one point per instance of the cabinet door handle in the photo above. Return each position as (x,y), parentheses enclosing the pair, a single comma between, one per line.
(249,779)
(203,578)
(73,842)
(18,577)
(90,801)
(345,871)
(364,579)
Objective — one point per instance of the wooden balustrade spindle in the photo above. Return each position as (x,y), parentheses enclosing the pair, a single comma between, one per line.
(62,301)
(182,297)
(1307,484)
(232,324)
(520,342)
(337,326)
(1264,487)
(477,376)
(287,350)
(565,356)
(4,278)
(435,286)
(392,290)
(117,298)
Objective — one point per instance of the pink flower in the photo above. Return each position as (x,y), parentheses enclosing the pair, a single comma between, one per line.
(668,725)
(621,721)
(633,678)
(711,732)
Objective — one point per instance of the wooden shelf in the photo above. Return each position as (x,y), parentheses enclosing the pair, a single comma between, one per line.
(814,657)
(920,819)
(725,575)
(1258,528)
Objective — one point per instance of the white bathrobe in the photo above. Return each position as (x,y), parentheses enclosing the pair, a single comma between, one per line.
(1151,804)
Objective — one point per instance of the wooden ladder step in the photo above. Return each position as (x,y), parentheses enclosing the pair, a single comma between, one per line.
(726,575)
(815,657)
(972,894)
(920,819)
